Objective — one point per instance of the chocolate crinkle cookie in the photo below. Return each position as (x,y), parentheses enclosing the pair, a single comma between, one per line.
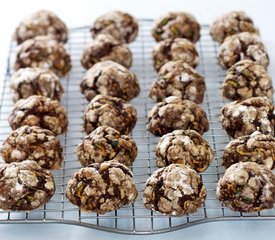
(174,190)
(35,81)
(247,187)
(41,23)
(105,47)
(230,24)
(109,79)
(25,186)
(184,147)
(176,24)
(242,46)
(174,113)
(33,143)
(110,111)
(177,78)
(246,79)
(242,118)
(120,25)
(39,111)
(43,52)
(257,147)
(105,144)
(102,187)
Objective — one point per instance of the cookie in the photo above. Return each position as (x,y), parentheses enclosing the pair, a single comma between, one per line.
(110,111)
(35,81)
(242,118)
(174,113)
(175,49)
(242,46)
(230,24)
(247,187)
(174,190)
(43,52)
(120,25)
(176,25)
(25,186)
(33,143)
(177,78)
(41,23)
(109,78)
(105,47)
(105,144)
(39,111)
(102,187)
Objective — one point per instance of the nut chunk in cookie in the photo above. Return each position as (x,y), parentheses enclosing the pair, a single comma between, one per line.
(174,190)
(184,147)
(247,187)
(102,187)
(25,186)
(242,118)
(33,143)
(39,111)
(174,113)
(105,144)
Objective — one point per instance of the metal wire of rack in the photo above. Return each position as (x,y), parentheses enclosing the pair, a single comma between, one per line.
(134,219)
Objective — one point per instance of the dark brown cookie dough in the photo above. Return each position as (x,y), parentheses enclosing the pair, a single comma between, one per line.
(175,49)
(177,78)
(39,111)
(35,81)
(25,186)
(102,187)
(43,52)
(33,143)
(242,118)
(41,23)
(247,187)
(174,190)
(120,25)
(184,147)
(176,24)
(105,47)
(230,24)
(174,113)
(109,78)
(110,111)
(242,46)
(246,79)
(105,144)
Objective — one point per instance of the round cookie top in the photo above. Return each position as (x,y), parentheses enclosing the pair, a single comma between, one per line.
(174,113)
(25,186)
(110,111)
(26,82)
(41,23)
(110,79)
(175,49)
(242,118)
(247,187)
(242,46)
(102,187)
(122,26)
(174,190)
(177,78)
(176,24)
(43,52)
(105,47)
(230,24)
(105,144)
(39,111)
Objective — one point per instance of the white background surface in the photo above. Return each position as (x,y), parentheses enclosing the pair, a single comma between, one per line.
(79,13)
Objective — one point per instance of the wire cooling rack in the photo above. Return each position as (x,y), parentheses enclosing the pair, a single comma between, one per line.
(134,219)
